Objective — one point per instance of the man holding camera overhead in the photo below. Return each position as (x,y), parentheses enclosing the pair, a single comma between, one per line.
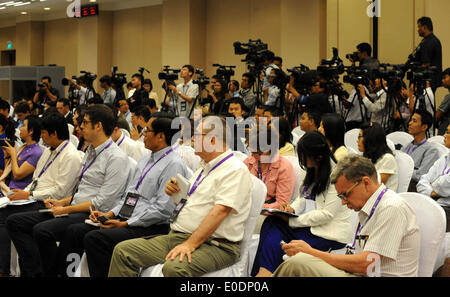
(186,92)
(45,92)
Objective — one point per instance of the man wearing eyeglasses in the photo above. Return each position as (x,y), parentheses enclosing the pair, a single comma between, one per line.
(387,236)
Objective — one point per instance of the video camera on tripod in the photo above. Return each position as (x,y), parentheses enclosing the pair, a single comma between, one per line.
(224,72)
(119,79)
(202,81)
(168,74)
(256,53)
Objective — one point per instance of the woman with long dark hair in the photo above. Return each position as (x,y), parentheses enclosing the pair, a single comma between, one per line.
(7,131)
(372,143)
(327,226)
(332,127)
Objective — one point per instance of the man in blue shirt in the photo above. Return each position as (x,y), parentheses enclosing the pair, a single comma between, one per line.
(150,214)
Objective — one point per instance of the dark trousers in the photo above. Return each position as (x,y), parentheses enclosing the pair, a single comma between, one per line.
(99,244)
(352,125)
(35,235)
(5,241)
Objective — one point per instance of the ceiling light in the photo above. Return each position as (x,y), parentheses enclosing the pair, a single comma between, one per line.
(46,8)
(24,12)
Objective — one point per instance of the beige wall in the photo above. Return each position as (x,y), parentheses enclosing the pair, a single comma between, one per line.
(202,32)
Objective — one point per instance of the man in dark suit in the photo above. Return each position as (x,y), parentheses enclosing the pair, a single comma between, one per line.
(63,107)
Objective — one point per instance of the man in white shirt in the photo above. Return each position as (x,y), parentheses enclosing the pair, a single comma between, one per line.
(208,226)
(130,147)
(387,236)
(186,92)
(124,111)
(84,93)
(54,177)
(109,95)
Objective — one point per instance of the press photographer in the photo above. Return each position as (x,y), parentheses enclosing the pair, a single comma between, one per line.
(363,55)
(45,92)
(443,112)
(185,92)
(84,85)
(246,93)
(429,51)
(109,95)
(139,95)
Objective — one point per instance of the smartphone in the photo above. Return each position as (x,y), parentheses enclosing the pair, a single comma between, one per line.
(3,142)
(102,219)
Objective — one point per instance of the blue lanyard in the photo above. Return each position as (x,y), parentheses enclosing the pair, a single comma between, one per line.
(307,195)
(85,168)
(56,156)
(416,146)
(359,229)
(198,182)
(146,172)
(260,172)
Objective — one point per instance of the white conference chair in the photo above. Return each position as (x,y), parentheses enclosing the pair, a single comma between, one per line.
(299,175)
(71,127)
(391,145)
(443,150)
(400,137)
(405,167)
(351,139)
(432,222)
(74,140)
(125,132)
(240,268)
(297,133)
(14,268)
(240,155)
(437,139)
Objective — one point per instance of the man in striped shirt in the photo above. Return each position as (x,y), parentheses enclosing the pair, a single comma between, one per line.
(387,240)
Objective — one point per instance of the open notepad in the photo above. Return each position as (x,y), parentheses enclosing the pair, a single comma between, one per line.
(274,211)
(184,186)
(4,201)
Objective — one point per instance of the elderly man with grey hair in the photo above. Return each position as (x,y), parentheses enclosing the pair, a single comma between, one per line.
(387,238)
(207,225)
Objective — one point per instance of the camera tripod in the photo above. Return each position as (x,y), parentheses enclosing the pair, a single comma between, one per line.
(422,98)
(362,107)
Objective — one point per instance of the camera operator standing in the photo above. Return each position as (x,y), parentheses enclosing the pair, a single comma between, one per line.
(248,80)
(186,92)
(376,105)
(139,95)
(45,92)
(355,114)
(429,51)
(443,112)
(109,95)
(84,93)
(269,66)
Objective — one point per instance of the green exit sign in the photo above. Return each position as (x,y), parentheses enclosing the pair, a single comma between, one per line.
(9,45)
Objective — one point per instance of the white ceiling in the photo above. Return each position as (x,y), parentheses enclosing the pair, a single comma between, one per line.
(12,14)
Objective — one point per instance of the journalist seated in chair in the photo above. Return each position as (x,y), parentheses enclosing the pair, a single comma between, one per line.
(436,183)
(207,227)
(327,227)
(24,161)
(387,231)
(150,214)
(332,127)
(420,149)
(372,143)
(310,120)
(276,172)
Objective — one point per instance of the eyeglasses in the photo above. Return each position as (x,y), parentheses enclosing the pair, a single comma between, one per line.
(344,196)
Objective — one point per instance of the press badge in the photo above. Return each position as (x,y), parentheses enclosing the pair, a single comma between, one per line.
(128,207)
(177,210)
(183,106)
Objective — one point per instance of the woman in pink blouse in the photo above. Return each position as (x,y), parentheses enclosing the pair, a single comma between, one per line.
(276,172)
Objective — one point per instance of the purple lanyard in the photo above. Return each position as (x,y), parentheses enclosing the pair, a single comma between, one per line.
(145,174)
(445,172)
(85,168)
(120,142)
(309,196)
(56,156)
(198,182)
(358,230)
(260,172)
(417,145)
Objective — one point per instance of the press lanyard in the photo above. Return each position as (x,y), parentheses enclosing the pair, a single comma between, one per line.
(198,181)
(445,172)
(309,196)
(56,156)
(85,168)
(148,170)
(260,172)
(417,145)
(123,138)
(358,230)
